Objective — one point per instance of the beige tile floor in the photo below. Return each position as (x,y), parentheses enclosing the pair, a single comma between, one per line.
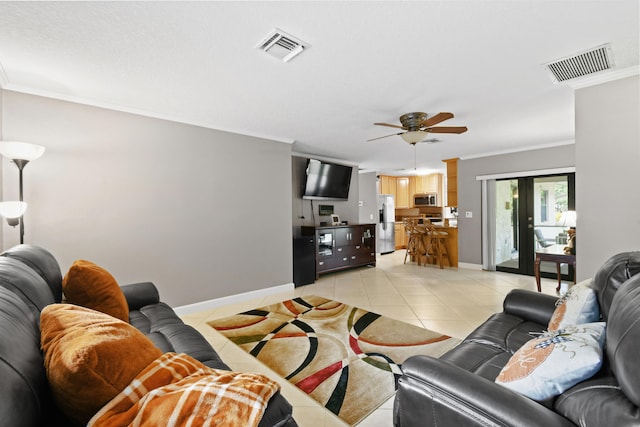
(451,301)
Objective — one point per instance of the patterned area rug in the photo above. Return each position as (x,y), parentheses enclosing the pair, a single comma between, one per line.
(346,358)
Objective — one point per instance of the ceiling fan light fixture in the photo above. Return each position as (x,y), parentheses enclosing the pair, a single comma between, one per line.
(414,136)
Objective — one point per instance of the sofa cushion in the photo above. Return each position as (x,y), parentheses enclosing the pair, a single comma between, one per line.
(42,262)
(170,334)
(623,338)
(613,408)
(611,275)
(23,281)
(23,383)
(91,286)
(579,305)
(505,331)
(481,358)
(90,357)
(546,366)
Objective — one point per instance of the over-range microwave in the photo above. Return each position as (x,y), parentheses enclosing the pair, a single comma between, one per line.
(428,199)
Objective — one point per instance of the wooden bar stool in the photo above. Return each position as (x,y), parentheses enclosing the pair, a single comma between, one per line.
(416,248)
(437,249)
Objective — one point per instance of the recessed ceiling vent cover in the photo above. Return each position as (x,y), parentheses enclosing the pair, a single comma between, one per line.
(282,45)
(589,62)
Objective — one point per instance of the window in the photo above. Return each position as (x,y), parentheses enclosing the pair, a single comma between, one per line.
(544,201)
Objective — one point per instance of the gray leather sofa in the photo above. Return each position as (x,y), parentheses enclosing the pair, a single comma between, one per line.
(458,389)
(30,279)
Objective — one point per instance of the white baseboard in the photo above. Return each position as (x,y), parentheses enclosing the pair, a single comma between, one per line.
(231,299)
(469,266)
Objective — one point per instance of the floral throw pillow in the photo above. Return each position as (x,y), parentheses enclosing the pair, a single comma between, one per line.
(579,305)
(548,365)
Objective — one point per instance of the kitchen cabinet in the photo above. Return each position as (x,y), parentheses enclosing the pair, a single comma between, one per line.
(403,188)
(388,185)
(402,192)
(412,189)
(401,236)
(452,182)
(344,246)
(431,183)
(423,184)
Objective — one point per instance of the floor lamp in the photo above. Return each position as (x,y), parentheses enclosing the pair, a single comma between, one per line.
(20,153)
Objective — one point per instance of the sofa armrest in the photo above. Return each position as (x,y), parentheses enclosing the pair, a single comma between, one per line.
(433,392)
(529,305)
(140,294)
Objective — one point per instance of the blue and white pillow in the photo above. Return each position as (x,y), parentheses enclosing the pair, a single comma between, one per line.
(548,365)
(579,305)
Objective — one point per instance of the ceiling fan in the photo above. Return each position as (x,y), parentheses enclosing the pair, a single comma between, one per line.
(418,125)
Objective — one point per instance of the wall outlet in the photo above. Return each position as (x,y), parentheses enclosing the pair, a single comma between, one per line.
(371,216)
(468,214)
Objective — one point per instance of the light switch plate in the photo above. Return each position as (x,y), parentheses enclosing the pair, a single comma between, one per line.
(468,214)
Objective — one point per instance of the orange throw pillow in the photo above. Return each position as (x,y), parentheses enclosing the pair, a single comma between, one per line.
(90,357)
(91,286)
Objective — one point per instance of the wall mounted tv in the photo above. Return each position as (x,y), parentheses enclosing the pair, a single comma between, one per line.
(326,181)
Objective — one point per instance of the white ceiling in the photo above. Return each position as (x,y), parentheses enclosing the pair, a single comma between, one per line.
(196,62)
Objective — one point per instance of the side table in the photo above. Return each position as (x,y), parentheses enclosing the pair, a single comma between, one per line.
(554,253)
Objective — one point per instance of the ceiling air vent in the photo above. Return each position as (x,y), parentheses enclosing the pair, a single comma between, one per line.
(583,64)
(282,45)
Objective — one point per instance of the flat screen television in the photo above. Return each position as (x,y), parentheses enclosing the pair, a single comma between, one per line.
(326,181)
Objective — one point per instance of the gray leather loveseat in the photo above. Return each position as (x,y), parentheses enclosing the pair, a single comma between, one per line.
(458,389)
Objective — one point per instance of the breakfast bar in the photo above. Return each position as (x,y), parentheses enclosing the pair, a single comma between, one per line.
(418,244)
(451,243)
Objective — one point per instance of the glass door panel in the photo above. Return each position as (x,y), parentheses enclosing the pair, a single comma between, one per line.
(527,219)
(326,244)
(550,200)
(507,225)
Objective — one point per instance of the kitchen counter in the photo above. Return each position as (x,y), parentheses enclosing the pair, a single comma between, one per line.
(451,242)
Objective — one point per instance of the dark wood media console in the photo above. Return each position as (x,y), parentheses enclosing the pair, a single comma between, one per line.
(340,247)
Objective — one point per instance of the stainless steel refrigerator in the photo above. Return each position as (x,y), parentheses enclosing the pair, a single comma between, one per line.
(385,235)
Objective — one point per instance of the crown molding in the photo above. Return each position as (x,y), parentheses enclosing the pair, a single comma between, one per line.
(518,150)
(604,77)
(520,174)
(139,112)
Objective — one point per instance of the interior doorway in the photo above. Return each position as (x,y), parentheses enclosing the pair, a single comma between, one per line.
(527,218)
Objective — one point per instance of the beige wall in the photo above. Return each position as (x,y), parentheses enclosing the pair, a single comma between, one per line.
(607,172)
(368,195)
(607,158)
(202,213)
(347,210)
(470,195)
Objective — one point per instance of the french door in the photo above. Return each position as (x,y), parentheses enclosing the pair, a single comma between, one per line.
(527,217)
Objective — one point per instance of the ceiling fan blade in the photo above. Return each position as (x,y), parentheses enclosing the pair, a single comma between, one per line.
(386,136)
(447,129)
(390,125)
(434,120)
